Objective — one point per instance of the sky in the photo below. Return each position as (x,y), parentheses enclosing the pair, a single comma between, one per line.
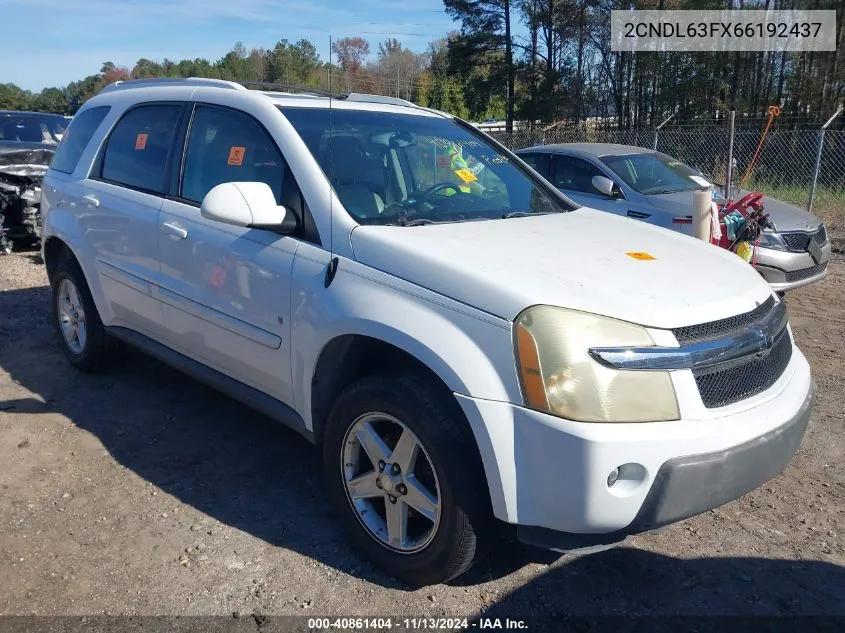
(53,42)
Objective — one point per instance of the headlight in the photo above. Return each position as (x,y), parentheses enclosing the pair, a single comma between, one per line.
(559,376)
(772,240)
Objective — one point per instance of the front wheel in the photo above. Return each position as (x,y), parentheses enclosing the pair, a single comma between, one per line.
(404,475)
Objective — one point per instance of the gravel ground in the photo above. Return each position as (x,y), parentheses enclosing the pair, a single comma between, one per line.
(144,492)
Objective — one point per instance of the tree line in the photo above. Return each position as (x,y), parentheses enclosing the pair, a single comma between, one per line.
(527,60)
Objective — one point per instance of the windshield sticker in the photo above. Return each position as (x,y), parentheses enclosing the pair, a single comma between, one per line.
(700,181)
(442,160)
(443,143)
(236,156)
(466,175)
(498,159)
(141,141)
(640,256)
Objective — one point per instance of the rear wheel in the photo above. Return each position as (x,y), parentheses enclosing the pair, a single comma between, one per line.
(403,473)
(81,334)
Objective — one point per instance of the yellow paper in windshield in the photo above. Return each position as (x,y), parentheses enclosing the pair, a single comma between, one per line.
(466,175)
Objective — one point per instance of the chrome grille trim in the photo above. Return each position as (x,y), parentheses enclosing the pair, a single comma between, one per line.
(755,339)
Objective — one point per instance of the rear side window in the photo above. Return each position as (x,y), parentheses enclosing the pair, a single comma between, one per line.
(77,137)
(538,162)
(229,146)
(136,152)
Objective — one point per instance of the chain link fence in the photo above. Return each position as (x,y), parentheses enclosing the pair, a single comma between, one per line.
(803,166)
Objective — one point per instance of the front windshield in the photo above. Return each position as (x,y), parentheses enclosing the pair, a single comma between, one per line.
(653,173)
(390,168)
(30,127)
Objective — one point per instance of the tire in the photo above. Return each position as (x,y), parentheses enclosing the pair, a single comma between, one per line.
(92,351)
(447,464)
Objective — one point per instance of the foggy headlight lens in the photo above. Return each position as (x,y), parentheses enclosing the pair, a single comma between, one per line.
(772,240)
(560,377)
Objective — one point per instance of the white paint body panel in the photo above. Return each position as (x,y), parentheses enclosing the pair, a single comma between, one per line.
(575,260)
(446,294)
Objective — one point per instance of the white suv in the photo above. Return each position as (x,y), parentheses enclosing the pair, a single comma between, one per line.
(468,347)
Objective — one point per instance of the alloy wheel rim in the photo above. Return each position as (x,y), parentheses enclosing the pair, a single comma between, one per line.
(391,483)
(72,317)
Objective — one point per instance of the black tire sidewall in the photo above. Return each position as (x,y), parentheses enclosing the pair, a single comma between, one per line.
(93,352)
(454,545)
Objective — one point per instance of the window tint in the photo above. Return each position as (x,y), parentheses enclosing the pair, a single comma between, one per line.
(137,149)
(31,127)
(538,162)
(574,174)
(74,142)
(229,146)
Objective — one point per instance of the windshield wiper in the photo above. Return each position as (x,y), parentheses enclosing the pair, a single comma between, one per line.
(523,214)
(417,222)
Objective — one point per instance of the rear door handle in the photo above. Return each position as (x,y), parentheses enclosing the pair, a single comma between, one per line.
(174,231)
(639,215)
(91,200)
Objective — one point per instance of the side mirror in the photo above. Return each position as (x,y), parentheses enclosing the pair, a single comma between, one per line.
(248,204)
(606,186)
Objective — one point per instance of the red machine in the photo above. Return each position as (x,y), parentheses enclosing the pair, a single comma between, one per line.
(751,208)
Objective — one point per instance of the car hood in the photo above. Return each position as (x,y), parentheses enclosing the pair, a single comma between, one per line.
(788,217)
(580,260)
(784,216)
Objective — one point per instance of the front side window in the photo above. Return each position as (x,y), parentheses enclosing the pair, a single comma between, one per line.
(74,142)
(653,173)
(574,174)
(229,146)
(136,152)
(392,168)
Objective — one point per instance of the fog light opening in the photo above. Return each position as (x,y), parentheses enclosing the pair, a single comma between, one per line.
(612,477)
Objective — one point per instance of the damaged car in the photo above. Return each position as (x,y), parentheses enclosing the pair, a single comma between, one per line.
(27,143)
(21,173)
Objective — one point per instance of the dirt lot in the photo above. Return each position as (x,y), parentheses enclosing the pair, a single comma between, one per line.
(144,492)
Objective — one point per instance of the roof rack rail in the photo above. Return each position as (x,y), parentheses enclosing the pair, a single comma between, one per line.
(270,86)
(368,98)
(172,81)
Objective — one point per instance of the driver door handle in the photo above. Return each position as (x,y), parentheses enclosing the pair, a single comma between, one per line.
(91,200)
(174,231)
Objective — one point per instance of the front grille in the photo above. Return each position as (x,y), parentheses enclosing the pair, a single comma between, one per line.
(718,329)
(805,273)
(796,241)
(720,387)
(800,241)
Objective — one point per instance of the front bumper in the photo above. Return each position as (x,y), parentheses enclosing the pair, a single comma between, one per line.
(687,486)
(549,476)
(790,270)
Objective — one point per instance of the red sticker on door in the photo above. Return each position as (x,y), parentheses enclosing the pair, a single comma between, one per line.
(141,141)
(236,156)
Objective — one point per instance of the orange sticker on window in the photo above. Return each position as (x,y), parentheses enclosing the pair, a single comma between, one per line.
(141,141)
(466,175)
(640,256)
(236,156)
